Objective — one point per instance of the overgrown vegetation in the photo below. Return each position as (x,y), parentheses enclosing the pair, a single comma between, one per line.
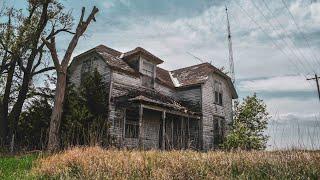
(84,119)
(85,113)
(249,122)
(96,163)
(16,167)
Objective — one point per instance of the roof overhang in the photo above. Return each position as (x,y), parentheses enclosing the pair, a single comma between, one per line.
(142,52)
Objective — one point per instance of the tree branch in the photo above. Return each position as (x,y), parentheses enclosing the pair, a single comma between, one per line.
(81,28)
(39,60)
(19,61)
(53,50)
(44,70)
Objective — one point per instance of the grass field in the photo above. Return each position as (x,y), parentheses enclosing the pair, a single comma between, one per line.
(16,167)
(97,163)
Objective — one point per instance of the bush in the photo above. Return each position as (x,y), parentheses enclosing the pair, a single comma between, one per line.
(249,122)
(33,125)
(85,115)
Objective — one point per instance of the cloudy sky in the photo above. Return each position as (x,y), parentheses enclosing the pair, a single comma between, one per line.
(276,45)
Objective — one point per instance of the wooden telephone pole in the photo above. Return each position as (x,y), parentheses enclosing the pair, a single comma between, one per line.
(316,77)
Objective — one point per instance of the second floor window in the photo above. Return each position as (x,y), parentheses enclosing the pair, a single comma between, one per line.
(86,68)
(218,95)
(147,68)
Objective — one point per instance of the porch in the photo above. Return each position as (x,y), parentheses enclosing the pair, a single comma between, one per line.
(154,127)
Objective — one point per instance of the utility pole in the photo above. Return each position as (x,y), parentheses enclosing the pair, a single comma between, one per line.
(316,78)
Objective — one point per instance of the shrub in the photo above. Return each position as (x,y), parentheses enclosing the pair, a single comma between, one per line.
(249,122)
(85,115)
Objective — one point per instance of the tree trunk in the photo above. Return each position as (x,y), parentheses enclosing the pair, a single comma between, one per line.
(24,89)
(17,107)
(5,104)
(53,142)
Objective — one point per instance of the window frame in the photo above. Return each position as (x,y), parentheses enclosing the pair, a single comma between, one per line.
(145,70)
(218,93)
(131,126)
(87,67)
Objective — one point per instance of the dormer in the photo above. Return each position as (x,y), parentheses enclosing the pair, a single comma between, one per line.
(145,63)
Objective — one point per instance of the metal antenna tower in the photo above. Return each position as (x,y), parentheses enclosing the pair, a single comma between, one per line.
(231,64)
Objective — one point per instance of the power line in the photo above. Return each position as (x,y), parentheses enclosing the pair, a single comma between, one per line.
(300,31)
(196,57)
(274,43)
(287,44)
(316,78)
(284,30)
(282,27)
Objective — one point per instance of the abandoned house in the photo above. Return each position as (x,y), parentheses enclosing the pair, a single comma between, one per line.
(152,108)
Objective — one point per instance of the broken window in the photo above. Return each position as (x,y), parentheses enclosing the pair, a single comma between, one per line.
(148,78)
(132,124)
(86,68)
(218,96)
(147,68)
(218,134)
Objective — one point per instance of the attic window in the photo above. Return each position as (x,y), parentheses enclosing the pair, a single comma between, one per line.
(147,68)
(218,93)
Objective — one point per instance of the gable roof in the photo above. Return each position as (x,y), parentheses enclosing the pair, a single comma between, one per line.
(164,77)
(111,57)
(179,78)
(191,75)
(198,74)
(138,50)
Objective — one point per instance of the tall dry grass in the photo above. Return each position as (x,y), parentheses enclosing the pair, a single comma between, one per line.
(97,163)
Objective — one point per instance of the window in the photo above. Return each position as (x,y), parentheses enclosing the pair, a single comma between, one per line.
(147,68)
(132,124)
(86,68)
(218,93)
(218,134)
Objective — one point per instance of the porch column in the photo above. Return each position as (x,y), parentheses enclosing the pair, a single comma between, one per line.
(183,145)
(124,127)
(140,127)
(188,129)
(163,143)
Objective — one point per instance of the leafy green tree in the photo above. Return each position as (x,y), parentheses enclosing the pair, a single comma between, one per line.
(250,121)
(85,115)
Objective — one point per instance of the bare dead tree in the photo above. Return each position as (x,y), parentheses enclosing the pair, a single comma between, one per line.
(23,53)
(61,69)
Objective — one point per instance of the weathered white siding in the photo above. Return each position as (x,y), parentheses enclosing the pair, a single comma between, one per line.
(200,99)
(210,109)
(98,63)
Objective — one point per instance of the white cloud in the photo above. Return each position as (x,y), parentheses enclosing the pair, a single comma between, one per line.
(298,106)
(315,12)
(277,84)
(108,4)
(205,36)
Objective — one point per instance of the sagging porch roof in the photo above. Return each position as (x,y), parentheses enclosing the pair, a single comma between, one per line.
(153,98)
